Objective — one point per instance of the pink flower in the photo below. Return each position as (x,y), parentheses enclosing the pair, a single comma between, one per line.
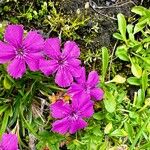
(19,51)
(86,88)
(65,64)
(9,142)
(71,116)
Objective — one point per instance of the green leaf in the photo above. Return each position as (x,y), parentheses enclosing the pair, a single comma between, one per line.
(104,146)
(118,36)
(121,52)
(6,83)
(140,98)
(146,60)
(144,80)
(119,133)
(50,140)
(140,10)
(109,102)
(5,121)
(108,128)
(130,28)
(140,25)
(98,116)
(148,127)
(145,146)
(3,108)
(139,133)
(134,81)
(130,32)
(146,40)
(129,130)
(136,69)
(105,61)
(118,79)
(122,25)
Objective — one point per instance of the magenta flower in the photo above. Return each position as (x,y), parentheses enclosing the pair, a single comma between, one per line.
(19,51)
(86,88)
(9,142)
(71,115)
(65,64)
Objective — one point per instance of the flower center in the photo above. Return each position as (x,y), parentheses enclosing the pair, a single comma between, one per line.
(86,87)
(20,51)
(61,61)
(74,116)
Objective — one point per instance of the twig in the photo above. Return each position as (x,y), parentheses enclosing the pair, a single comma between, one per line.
(112,6)
(141,2)
(32,141)
(95,7)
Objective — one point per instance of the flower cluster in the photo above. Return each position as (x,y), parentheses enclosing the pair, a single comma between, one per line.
(47,56)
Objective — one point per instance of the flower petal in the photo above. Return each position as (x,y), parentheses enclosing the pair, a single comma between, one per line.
(48,66)
(75,90)
(9,142)
(71,50)
(61,126)
(33,42)
(74,62)
(52,48)
(83,105)
(93,79)
(77,125)
(14,35)
(74,67)
(82,78)
(97,93)
(32,59)
(7,52)
(63,77)
(60,109)
(17,67)
(75,71)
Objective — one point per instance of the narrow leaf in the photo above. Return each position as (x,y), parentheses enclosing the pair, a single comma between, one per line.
(122,25)
(105,61)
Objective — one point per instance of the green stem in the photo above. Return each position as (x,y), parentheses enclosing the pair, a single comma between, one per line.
(56,88)
(29,126)
(139,134)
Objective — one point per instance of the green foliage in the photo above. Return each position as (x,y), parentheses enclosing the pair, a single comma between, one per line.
(133,48)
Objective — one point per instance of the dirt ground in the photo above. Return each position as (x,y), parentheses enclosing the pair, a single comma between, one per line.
(105,15)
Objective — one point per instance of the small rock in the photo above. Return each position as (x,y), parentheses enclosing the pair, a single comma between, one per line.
(107,3)
(87,5)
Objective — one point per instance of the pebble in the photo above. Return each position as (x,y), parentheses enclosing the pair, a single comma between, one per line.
(107,3)
(110,2)
(87,5)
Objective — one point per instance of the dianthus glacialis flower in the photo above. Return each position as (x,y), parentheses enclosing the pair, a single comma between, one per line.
(71,116)
(65,64)
(9,142)
(19,51)
(86,88)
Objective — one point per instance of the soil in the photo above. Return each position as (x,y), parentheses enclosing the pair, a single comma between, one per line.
(107,25)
